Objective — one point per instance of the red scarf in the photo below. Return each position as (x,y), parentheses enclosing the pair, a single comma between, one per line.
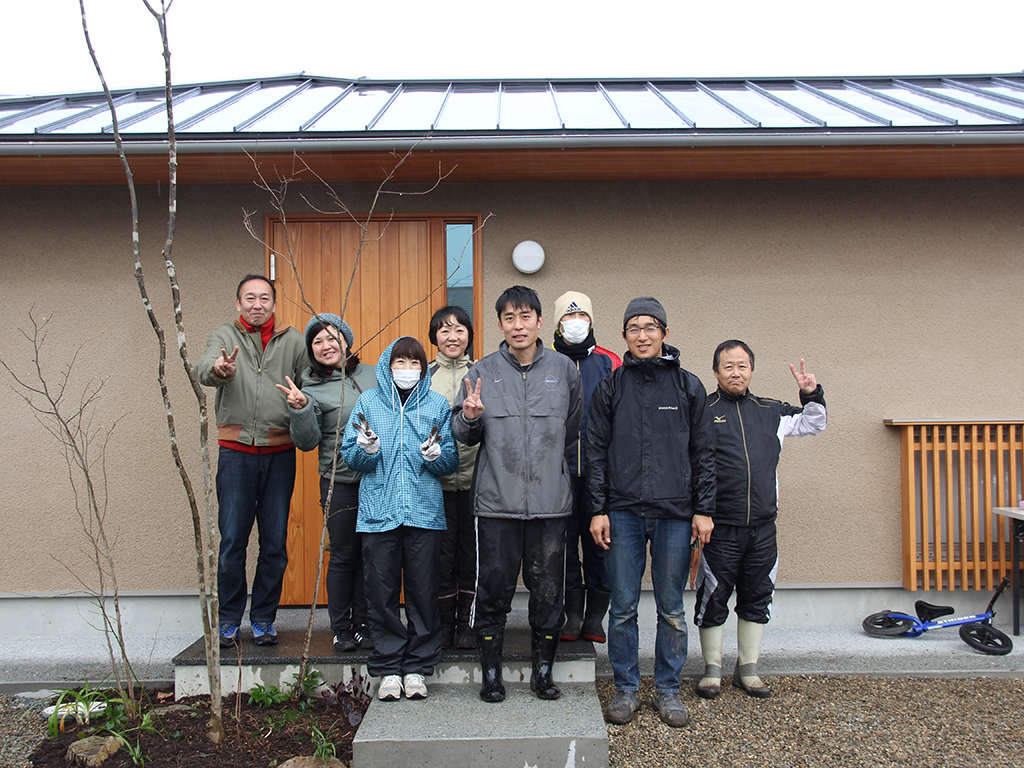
(266,330)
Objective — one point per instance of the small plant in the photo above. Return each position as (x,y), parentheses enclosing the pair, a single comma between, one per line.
(134,750)
(267,696)
(116,718)
(308,686)
(79,704)
(351,698)
(280,721)
(324,748)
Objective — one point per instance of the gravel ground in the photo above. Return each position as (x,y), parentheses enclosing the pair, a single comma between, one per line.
(840,722)
(21,728)
(835,721)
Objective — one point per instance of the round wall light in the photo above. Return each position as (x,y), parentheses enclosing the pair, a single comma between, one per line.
(528,257)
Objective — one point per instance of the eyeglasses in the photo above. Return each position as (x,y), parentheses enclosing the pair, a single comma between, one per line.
(649,330)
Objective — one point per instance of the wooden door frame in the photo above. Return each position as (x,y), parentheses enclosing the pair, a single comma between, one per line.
(436,223)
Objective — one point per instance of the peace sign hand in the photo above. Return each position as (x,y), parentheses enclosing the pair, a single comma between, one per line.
(473,406)
(295,397)
(224,366)
(806,381)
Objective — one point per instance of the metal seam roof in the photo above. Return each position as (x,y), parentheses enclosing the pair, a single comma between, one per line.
(303,110)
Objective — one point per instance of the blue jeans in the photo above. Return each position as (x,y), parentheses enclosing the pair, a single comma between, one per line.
(670,563)
(253,488)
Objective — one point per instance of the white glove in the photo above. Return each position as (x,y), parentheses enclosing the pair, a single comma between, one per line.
(366,438)
(431,450)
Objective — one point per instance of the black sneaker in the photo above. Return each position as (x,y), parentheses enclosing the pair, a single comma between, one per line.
(344,642)
(363,638)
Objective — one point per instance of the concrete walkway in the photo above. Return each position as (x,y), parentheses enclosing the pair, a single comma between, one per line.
(34,663)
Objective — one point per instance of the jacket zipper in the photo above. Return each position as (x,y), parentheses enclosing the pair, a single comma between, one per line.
(455,395)
(746,456)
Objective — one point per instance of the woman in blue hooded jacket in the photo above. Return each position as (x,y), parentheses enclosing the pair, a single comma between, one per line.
(402,443)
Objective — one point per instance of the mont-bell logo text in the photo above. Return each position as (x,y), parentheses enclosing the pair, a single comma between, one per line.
(668,407)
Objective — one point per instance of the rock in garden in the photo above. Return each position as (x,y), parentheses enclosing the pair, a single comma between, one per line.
(93,750)
(313,762)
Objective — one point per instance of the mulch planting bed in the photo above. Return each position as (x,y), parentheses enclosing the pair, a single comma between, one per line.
(260,737)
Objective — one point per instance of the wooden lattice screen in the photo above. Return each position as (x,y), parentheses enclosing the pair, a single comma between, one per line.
(953,473)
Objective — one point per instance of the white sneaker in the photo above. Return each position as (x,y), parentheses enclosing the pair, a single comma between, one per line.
(415,688)
(390,688)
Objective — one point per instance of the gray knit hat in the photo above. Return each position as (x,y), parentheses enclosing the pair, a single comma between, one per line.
(326,318)
(645,305)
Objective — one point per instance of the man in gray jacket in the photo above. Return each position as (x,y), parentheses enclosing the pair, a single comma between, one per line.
(523,405)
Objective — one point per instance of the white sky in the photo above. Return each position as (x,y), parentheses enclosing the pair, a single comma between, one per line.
(43,49)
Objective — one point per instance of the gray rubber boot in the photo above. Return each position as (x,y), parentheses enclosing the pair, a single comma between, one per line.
(711,648)
(748,640)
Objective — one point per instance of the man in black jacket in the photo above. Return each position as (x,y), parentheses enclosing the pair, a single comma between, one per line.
(742,553)
(651,478)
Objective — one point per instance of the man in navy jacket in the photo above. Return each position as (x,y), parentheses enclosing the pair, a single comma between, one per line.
(743,554)
(651,480)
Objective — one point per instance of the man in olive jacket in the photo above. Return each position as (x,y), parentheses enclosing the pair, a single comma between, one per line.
(256,460)
(651,479)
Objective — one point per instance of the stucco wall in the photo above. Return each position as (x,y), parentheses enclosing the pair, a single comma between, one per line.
(900,295)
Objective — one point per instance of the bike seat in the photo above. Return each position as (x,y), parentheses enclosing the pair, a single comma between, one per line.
(927,611)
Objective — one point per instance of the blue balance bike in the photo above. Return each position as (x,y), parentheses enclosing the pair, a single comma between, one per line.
(977,630)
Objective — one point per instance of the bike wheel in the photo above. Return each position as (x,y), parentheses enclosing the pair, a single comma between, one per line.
(887,624)
(986,638)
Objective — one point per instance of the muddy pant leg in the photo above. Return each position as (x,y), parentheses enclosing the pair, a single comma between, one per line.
(626,559)
(544,571)
(499,555)
(670,568)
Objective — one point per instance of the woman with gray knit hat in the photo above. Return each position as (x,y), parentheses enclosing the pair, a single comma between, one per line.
(330,387)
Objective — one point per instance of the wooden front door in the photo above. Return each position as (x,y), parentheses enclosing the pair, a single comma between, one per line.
(397,284)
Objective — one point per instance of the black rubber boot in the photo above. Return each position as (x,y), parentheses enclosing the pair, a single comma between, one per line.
(543,646)
(573,615)
(465,637)
(489,645)
(593,618)
(446,604)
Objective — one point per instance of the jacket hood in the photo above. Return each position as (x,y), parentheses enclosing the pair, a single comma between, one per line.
(669,357)
(309,381)
(386,380)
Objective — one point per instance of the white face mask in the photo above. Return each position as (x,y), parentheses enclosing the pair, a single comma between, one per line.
(406,378)
(575,331)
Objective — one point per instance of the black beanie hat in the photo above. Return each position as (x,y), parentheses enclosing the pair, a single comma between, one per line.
(645,305)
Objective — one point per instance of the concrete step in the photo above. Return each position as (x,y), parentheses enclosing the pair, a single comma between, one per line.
(453,728)
(250,665)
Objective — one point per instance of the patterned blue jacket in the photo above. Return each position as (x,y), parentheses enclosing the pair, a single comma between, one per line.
(398,486)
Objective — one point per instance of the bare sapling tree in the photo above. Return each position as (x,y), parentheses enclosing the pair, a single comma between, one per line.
(70,420)
(204,526)
(277,191)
